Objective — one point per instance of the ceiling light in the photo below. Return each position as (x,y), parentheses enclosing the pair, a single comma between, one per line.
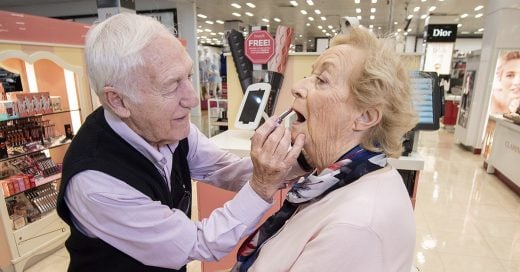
(479,15)
(209,22)
(464,15)
(323,18)
(249,14)
(220,22)
(324,31)
(424,16)
(464,32)
(459,25)
(359,17)
(334,31)
(277,20)
(330,27)
(378,27)
(406,33)
(372,17)
(410,16)
(371,26)
(374,1)
(300,35)
(398,30)
(310,3)
(320,27)
(432,8)
(416,9)
(317,11)
(202,16)
(479,7)
(328,34)
(395,23)
(423,0)
(358,10)
(310,19)
(265,20)
(213,33)
(235,5)
(220,33)
(200,30)
(373,10)
(294,3)
(236,14)
(308,24)
(480,29)
(303,12)
(251,5)
(203,37)
(409,29)
(207,30)
(356,1)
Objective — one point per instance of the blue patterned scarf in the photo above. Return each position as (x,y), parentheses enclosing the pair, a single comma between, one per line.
(350,167)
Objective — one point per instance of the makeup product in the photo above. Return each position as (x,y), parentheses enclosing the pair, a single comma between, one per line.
(283,115)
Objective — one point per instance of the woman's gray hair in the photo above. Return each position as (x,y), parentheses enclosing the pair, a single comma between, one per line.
(113,51)
(382,83)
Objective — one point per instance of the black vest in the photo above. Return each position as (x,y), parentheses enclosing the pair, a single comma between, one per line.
(98,147)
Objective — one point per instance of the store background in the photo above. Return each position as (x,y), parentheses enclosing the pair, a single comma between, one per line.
(467,220)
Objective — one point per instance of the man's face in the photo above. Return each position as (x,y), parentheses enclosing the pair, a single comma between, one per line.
(165,94)
(510,78)
(325,112)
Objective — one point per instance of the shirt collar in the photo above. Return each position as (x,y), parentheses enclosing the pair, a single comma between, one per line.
(157,157)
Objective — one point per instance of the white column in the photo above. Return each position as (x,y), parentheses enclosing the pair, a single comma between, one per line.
(501,31)
(187,28)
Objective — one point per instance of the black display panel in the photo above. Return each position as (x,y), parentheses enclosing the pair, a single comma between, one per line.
(251,106)
(427,99)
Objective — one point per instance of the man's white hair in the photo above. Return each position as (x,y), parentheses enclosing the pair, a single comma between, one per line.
(113,51)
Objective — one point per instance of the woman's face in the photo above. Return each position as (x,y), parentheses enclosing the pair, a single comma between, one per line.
(510,79)
(322,102)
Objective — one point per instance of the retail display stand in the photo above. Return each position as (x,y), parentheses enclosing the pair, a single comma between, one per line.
(47,55)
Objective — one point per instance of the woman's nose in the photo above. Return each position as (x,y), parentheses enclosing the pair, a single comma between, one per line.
(299,90)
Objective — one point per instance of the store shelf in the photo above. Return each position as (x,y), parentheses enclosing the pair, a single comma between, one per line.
(56,142)
(48,179)
(40,114)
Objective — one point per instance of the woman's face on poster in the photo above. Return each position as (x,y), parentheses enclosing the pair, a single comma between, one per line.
(510,79)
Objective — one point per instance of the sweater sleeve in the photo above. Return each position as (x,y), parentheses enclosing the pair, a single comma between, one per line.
(342,247)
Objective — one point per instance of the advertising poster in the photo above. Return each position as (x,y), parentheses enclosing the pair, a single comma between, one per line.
(438,58)
(505,96)
(467,94)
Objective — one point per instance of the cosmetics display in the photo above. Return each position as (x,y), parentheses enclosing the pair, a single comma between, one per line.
(31,205)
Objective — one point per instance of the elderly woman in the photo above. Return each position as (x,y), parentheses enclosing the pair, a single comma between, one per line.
(353,212)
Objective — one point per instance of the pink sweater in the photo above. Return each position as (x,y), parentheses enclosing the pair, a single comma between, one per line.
(363,227)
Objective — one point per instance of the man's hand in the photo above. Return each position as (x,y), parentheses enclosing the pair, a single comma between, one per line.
(273,157)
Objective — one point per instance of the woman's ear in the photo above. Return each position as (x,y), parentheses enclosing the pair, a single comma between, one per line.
(367,119)
(114,101)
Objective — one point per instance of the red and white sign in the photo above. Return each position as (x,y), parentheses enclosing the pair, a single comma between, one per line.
(259,47)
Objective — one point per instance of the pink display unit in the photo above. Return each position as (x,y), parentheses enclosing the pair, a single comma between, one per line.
(210,198)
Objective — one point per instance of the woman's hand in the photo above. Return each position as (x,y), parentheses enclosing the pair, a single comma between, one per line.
(272,157)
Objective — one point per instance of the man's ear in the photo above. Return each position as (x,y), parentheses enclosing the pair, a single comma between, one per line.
(114,100)
(367,119)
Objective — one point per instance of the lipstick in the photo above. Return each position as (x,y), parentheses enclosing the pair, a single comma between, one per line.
(283,115)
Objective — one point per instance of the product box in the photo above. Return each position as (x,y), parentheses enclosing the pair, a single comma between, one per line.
(8,110)
(45,102)
(23,103)
(55,103)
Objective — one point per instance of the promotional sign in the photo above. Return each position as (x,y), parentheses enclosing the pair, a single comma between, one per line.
(467,96)
(438,58)
(259,47)
(441,33)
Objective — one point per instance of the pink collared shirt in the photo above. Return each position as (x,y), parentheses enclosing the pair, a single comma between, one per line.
(108,208)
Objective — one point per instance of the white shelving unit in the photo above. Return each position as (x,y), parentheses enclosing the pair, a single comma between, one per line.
(215,112)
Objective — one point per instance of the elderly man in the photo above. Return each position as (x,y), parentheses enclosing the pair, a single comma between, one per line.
(126,184)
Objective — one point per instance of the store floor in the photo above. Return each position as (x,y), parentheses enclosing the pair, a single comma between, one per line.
(467,220)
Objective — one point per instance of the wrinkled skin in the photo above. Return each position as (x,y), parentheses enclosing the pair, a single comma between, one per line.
(323,100)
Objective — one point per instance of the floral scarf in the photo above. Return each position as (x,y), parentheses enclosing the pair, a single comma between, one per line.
(350,167)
